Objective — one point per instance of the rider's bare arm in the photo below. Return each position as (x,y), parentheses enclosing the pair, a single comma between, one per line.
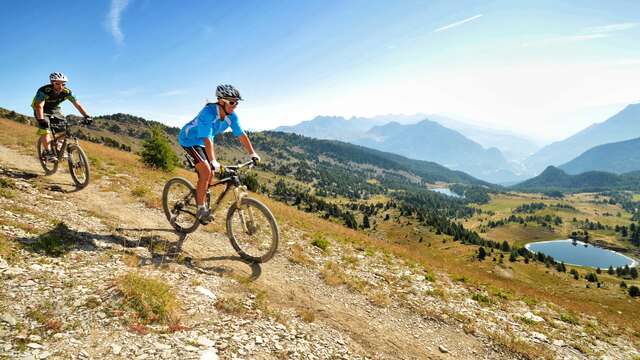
(39,110)
(80,108)
(244,139)
(208,148)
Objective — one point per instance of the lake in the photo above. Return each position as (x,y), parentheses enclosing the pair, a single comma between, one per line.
(446,191)
(577,253)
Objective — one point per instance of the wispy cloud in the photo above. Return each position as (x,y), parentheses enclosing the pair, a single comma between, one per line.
(173,92)
(458,23)
(113,19)
(610,28)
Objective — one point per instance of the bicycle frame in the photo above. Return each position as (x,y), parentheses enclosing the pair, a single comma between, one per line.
(232,180)
(63,133)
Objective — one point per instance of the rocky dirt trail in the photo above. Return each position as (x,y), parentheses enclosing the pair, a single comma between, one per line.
(65,307)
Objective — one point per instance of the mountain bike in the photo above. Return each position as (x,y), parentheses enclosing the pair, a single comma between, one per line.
(250,225)
(65,145)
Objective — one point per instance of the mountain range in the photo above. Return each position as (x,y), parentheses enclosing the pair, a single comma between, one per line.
(424,140)
(619,157)
(624,125)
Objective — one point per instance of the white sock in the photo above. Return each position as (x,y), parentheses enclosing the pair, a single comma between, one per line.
(200,207)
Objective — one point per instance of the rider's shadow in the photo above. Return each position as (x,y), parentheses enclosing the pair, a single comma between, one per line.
(58,187)
(17,174)
(255,270)
(164,252)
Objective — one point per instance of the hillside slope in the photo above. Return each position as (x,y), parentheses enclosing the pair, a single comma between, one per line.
(363,297)
(619,157)
(553,178)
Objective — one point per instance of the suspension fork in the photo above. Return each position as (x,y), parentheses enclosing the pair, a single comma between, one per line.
(240,192)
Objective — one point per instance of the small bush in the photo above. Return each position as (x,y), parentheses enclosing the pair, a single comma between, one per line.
(569,319)
(320,242)
(481,298)
(634,291)
(157,151)
(151,300)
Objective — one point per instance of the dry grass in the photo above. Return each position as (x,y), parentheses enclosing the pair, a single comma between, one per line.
(131,260)
(522,348)
(381,299)
(333,275)
(8,250)
(231,306)
(150,299)
(298,256)
(306,314)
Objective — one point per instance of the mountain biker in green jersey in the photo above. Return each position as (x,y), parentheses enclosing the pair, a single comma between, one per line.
(196,137)
(46,103)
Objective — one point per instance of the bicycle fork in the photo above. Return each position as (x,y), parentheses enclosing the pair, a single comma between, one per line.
(248,225)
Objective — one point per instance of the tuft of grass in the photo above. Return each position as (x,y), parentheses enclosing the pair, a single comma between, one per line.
(7,188)
(8,249)
(151,300)
(526,320)
(131,260)
(333,275)
(298,256)
(307,314)
(522,348)
(482,298)
(380,299)
(569,319)
(140,191)
(231,306)
(320,242)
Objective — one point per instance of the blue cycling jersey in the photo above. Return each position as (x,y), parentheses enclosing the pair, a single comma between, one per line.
(208,124)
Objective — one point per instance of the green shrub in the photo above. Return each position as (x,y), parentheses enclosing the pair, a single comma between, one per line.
(157,151)
(320,242)
(151,300)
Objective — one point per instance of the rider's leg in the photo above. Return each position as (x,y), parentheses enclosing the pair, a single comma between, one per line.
(203,213)
(204,176)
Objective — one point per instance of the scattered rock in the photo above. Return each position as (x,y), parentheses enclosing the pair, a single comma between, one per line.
(443,349)
(535,318)
(9,319)
(206,292)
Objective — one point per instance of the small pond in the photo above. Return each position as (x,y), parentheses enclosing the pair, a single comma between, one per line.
(579,253)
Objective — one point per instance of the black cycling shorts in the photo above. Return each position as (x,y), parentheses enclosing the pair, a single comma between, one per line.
(45,124)
(196,154)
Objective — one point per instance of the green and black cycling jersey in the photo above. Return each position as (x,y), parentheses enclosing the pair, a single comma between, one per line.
(51,99)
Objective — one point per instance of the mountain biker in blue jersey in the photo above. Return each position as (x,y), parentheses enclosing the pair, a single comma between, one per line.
(196,137)
(46,103)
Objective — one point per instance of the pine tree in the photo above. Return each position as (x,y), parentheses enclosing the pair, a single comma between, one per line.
(157,151)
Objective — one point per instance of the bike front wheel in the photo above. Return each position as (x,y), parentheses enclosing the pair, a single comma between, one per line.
(252,230)
(78,165)
(49,167)
(179,203)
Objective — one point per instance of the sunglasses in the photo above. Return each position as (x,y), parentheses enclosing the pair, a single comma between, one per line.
(231,102)
(59,83)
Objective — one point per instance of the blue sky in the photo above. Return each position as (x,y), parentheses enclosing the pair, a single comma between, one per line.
(543,68)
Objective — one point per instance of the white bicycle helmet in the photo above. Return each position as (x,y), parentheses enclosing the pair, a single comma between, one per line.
(226,91)
(57,76)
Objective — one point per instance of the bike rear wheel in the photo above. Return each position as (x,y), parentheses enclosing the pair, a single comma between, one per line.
(179,203)
(252,230)
(78,165)
(49,167)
